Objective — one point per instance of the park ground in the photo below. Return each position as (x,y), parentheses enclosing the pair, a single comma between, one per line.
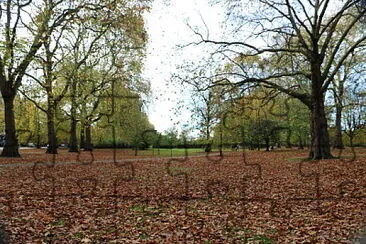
(113,196)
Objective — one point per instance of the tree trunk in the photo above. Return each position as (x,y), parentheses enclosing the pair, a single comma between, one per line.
(267,144)
(38,143)
(320,146)
(11,147)
(351,139)
(338,141)
(52,139)
(73,146)
(38,129)
(88,144)
(82,136)
(301,145)
(208,148)
(288,138)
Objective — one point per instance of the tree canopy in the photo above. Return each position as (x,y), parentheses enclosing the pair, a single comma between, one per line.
(56,45)
(295,47)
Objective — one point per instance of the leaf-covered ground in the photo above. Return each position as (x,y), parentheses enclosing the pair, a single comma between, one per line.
(243,197)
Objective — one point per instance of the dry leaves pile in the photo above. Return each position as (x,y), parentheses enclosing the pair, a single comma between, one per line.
(256,197)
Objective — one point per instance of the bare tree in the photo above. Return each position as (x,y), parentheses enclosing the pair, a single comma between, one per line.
(297,49)
(354,119)
(205,111)
(350,72)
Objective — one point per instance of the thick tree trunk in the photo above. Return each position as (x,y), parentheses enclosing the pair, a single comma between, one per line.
(88,144)
(338,141)
(52,139)
(11,147)
(320,145)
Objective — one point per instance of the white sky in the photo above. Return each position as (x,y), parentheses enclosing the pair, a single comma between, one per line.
(167,27)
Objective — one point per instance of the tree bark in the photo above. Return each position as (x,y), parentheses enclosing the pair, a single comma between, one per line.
(73,146)
(38,130)
(338,140)
(320,145)
(88,144)
(11,147)
(301,145)
(267,144)
(288,138)
(52,139)
(82,136)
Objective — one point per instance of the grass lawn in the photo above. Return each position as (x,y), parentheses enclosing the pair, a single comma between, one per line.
(174,152)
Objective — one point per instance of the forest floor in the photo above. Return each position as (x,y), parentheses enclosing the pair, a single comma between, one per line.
(112,196)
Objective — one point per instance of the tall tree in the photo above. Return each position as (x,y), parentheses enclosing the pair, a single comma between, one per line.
(85,46)
(51,59)
(27,26)
(302,33)
(354,119)
(206,105)
(68,48)
(16,55)
(117,57)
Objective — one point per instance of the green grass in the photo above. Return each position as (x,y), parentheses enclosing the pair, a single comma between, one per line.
(174,152)
(261,239)
(144,210)
(137,208)
(186,170)
(59,222)
(78,235)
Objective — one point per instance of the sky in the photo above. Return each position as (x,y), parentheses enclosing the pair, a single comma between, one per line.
(167,26)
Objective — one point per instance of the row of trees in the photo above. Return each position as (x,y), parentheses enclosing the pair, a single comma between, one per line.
(75,61)
(308,50)
(268,118)
(118,127)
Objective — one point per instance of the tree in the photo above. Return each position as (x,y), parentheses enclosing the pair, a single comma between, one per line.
(115,60)
(27,26)
(54,81)
(298,118)
(258,118)
(206,110)
(354,119)
(265,130)
(169,138)
(17,54)
(122,120)
(349,73)
(296,47)
(82,44)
